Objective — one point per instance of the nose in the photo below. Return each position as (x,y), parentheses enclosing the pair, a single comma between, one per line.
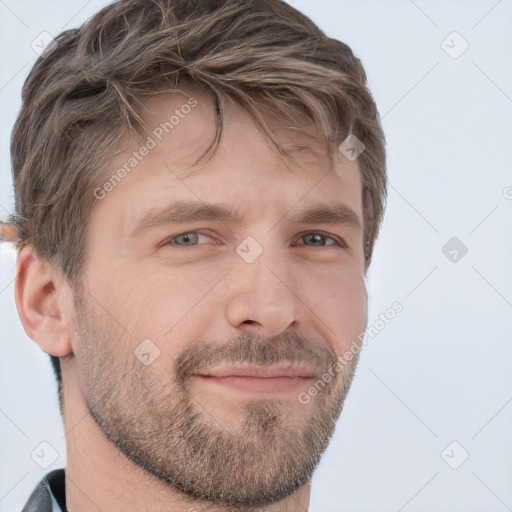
(264,300)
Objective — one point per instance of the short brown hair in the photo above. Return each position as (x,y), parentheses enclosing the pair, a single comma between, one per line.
(83,96)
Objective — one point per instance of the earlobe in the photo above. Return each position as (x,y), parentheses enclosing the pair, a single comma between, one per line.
(40,294)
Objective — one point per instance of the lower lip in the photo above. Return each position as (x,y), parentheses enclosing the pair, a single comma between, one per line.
(260,385)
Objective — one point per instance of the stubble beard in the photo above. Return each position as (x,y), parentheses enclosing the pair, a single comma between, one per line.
(164,429)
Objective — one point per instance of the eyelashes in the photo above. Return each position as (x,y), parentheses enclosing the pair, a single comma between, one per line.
(170,241)
(337,241)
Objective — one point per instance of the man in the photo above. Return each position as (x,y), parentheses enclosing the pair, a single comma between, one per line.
(198,189)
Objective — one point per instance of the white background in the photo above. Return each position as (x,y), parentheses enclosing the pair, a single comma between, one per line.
(441,370)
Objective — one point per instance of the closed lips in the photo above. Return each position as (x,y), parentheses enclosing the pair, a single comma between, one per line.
(261,372)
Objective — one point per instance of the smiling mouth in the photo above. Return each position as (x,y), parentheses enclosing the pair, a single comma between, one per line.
(281,378)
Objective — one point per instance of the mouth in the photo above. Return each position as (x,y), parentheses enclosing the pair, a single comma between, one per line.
(248,378)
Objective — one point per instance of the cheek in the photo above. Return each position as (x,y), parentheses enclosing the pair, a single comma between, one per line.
(354,307)
(165,306)
(340,303)
(151,299)
(169,297)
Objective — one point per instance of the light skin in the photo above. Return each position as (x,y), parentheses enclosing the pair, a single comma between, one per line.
(302,301)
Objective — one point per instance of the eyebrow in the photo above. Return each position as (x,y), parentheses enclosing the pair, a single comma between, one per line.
(191,211)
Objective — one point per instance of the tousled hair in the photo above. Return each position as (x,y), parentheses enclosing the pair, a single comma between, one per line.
(84,96)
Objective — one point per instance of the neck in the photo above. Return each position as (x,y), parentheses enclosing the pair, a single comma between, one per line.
(99,477)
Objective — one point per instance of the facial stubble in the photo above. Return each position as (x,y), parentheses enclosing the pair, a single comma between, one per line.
(149,413)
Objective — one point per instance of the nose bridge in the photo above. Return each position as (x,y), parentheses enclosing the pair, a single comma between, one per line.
(263,285)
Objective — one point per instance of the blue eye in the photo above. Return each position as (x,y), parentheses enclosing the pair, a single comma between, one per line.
(191,239)
(190,236)
(319,236)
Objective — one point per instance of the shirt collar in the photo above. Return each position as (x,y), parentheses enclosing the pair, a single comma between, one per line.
(49,495)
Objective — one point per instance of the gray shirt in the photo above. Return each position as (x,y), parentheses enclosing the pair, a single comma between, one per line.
(49,495)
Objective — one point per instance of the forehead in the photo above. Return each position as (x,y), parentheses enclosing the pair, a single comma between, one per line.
(186,120)
(244,169)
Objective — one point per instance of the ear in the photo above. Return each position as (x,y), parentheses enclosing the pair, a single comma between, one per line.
(43,300)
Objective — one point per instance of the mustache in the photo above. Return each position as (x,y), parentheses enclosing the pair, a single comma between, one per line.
(253,350)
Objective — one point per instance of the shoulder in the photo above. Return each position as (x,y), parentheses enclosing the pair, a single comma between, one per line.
(48,494)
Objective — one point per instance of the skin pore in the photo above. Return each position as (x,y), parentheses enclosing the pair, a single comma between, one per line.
(192,339)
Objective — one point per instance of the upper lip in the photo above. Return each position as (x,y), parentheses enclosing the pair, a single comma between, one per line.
(262,372)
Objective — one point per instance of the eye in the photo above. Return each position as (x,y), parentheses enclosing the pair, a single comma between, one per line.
(189,239)
(316,237)
(192,238)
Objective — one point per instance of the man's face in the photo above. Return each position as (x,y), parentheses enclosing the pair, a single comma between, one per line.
(195,337)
